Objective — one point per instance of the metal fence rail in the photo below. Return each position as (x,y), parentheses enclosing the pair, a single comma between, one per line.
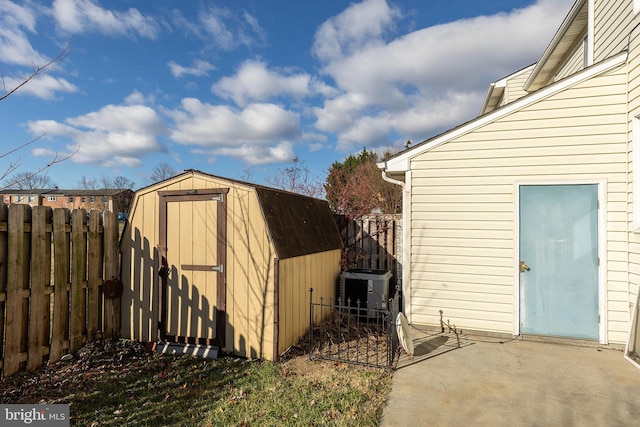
(353,333)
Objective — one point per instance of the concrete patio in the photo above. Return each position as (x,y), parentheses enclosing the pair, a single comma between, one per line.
(511,382)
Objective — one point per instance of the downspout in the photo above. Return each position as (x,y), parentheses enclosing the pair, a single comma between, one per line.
(406,261)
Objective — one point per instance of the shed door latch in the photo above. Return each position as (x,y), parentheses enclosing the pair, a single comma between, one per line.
(218,268)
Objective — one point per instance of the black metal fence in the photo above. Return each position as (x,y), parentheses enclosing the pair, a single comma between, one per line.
(351,332)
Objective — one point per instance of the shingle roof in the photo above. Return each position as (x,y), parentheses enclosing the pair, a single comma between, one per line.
(298,225)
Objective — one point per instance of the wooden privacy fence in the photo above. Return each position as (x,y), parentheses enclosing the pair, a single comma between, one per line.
(372,242)
(53,264)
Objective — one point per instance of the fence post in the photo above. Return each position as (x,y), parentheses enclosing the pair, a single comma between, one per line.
(111,271)
(94,274)
(17,289)
(40,281)
(78,275)
(60,330)
(3,277)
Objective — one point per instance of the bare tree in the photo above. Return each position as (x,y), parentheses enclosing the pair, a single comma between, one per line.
(87,183)
(297,179)
(122,183)
(30,181)
(106,182)
(38,71)
(162,171)
(247,175)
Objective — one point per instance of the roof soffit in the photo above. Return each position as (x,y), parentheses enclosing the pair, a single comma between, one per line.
(497,89)
(570,32)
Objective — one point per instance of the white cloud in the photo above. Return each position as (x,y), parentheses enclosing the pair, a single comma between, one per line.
(257,134)
(425,81)
(357,27)
(219,125)
(258,155)
(120,118)
(114,135)
(199,68)
(222,28)
(18,56)
(79,16)
(16,22)
(255,82)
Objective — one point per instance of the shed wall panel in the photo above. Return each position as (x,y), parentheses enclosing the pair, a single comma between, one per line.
(297,276)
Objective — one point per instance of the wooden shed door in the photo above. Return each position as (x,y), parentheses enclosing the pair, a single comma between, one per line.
(192,246)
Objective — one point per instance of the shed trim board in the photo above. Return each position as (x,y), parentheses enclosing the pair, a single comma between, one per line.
(602,253)
(205,194)
(276,309)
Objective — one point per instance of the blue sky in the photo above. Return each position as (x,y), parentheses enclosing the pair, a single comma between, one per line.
(238,88)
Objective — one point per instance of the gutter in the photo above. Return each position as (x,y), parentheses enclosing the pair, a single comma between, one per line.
(391,180)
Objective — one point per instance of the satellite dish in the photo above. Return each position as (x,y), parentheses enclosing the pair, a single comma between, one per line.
(402,326)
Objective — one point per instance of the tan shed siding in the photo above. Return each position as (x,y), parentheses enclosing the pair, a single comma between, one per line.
(573,64)
(249,277)
(249,261)
(463,201)
(297,275)
(613,23)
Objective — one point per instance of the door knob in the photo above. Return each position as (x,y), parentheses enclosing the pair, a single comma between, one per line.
(524,267)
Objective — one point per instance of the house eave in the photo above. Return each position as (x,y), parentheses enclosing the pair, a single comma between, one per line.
(401,162)
(563,41)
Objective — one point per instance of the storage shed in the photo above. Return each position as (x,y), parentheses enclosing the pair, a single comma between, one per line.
(216,261)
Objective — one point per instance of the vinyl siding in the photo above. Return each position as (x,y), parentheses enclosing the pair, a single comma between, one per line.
(612,25)
(463,200)
(513,89)
(627,296)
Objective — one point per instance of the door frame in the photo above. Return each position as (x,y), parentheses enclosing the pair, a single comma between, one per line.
(194,195)
(602,253)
